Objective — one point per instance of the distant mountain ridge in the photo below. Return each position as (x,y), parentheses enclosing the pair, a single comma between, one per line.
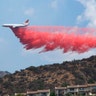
(49,76)
(3,73)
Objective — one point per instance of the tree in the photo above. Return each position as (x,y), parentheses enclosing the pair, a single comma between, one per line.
(69,94)
(52,94)
(65,84)
(19,95)
(91,81)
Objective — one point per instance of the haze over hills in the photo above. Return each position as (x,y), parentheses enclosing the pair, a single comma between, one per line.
(50,76)
(3,73)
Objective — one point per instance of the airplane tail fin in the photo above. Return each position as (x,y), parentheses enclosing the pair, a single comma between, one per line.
(26,22)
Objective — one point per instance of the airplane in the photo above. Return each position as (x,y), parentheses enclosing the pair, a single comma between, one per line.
(26,23)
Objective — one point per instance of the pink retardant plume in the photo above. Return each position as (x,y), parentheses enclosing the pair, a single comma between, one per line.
(49,38)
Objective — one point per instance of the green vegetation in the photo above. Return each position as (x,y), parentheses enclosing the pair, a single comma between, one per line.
(91,81)
(65,84)
(52,94)
(69,94)
(19,95)
(37,85)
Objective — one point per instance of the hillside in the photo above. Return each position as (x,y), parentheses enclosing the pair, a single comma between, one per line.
(48,76)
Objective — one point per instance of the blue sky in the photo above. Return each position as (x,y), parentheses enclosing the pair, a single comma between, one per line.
(14,57)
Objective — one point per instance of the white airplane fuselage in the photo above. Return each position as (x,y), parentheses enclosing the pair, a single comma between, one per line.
(26,23)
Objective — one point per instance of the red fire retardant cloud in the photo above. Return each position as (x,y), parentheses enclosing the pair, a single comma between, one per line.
(49,38)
